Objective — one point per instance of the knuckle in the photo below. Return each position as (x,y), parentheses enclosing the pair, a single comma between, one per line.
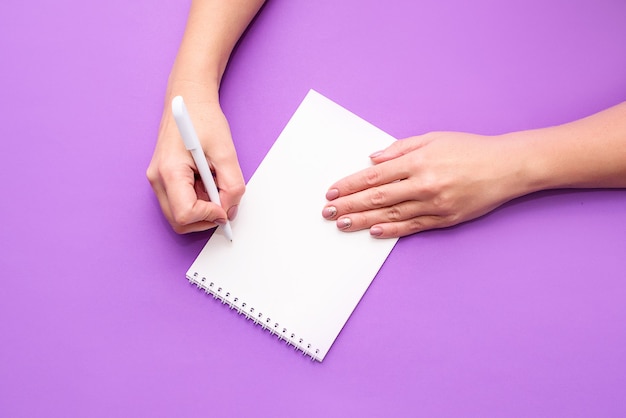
(453,219)
(393,214)
(415,225)
(441,203)
(377,197)
(371,176)
(237,189)
(151,175)
(179,229)
(445,204)
(430,186)
(416,162)
(182,217)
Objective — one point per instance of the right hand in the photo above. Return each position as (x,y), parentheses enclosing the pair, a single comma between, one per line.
(173,174)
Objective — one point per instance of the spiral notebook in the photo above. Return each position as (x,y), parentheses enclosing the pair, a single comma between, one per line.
(287,268)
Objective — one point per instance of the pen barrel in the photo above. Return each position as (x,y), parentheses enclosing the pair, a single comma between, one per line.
(192,143)
(206,175)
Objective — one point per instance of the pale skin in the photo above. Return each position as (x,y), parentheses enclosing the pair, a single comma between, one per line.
(213,28)
(441,179)
(430,181)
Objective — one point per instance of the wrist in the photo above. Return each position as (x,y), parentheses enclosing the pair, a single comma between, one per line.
(193,89)
(198,70)
(525,163)
(544,159)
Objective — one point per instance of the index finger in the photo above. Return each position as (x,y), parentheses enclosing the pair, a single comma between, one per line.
(377,175)
(185,206)
(229,180)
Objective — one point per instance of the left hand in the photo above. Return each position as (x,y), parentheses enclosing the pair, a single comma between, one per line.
(430,181)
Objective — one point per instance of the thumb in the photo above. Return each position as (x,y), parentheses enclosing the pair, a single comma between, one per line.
(399,148)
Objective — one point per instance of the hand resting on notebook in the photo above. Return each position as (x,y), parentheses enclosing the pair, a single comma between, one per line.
(430,181)
(444,178)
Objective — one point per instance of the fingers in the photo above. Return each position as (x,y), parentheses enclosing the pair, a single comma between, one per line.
(399,148)
(396,221)
(180,229)
(171,173)
(388,211)
(377,175)
(230,182)
(219,149)
(408,227)
(389,167)
(176,193)
(383,196)
(431,181)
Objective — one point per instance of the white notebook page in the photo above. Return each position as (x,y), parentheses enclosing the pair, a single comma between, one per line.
(288,268)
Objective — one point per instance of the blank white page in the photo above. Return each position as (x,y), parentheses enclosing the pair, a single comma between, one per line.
(288,268)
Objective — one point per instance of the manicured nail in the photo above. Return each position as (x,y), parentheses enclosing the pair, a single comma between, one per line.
(344,223)
(220,221)
(332,194)
(329,212)
(232,212)
(376,154)
(376,231)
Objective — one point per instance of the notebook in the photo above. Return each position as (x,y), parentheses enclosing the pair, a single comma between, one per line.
(287,268)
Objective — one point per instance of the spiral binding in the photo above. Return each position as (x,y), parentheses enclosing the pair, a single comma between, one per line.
(242,308)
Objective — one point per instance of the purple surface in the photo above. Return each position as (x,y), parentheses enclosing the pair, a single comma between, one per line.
(520,313)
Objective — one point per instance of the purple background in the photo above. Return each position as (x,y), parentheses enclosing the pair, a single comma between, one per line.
(519,313)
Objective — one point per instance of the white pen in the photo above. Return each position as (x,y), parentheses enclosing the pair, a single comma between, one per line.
(192,143)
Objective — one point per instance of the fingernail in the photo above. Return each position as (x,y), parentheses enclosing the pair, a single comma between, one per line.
(376,154)
(344,223)
(329,212)
(220,221)
(332,194)
(232,212)
(376,231)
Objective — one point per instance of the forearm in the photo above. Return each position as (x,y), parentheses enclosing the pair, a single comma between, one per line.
(587,153)
(213,28)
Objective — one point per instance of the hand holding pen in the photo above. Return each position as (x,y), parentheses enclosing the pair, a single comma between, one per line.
(173,174)
(192,143)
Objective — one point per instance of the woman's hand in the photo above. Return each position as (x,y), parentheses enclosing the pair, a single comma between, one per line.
(213,27)
(431,181)
(172,172)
